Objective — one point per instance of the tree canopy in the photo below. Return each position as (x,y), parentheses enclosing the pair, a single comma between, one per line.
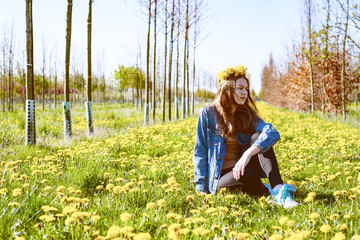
(129,77)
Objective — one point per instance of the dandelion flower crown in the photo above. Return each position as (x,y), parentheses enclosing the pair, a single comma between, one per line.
(225,75)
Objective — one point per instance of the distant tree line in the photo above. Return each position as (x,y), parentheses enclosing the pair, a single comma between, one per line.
(322,71)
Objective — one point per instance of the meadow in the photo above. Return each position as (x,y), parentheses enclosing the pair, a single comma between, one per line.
(134,182)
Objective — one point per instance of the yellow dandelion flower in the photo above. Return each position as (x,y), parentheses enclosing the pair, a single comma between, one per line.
(126,229)
(142,236)
(117,189)
(125,216)
(113,231)
(95,218)
(99,187)
(314,215)
(20,238)
(110,186)
(70,220)
(146,215)
(346,216)
(3,191)
(325,228)
(243,235)
(151,205)
(210,210)
(14,204)
(343,227)
(276,237)
(43,217)
(190,198)
(161,202)
(232,234)
(86,228)
(235,213)
(283,220)
(276,227)
(174,227)
(223,210)
(290,223)
(229,196)
(80,215)
(334,216)
(308,199)
(17,192)
(215,226)
(339,236)
(356,237)
(60,188)
(240,70)
(106,175)
(194,211)
(50,219)
(50,209)
(68,210)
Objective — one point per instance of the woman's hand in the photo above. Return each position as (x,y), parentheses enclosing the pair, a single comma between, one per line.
(240,166)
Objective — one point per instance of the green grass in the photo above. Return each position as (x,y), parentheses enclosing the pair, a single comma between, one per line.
(125,166)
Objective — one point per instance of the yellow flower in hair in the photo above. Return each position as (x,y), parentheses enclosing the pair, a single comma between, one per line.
(240,70)
(230,70)
(225,74)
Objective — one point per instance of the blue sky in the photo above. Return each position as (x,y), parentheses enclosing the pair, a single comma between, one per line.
(235,32)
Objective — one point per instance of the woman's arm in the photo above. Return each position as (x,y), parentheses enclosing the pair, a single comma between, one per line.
(239,168)
(201,153)
(268,136)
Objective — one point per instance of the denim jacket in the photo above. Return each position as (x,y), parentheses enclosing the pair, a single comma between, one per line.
(210,147)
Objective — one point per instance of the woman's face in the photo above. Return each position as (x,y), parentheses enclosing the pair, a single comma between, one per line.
(241,91)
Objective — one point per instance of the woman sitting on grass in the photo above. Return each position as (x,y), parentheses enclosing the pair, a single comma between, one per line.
(233,145)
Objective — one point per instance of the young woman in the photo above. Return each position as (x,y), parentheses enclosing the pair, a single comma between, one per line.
(233,145)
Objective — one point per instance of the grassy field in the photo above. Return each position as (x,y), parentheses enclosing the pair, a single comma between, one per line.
(133,182)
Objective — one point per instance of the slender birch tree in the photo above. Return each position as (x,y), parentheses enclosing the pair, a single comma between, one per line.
(146,110)
(171,55)
(177,61)
(66,104)
(165,61)
(343,66)
(154,65)
(30,137)
(183,113)
(88,104)
(310,54)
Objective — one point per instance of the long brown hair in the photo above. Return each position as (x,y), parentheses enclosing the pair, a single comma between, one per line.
(229,121)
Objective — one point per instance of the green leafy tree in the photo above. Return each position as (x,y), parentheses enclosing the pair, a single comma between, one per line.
(129,78)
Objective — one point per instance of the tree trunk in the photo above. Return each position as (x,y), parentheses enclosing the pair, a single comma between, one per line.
(326,71)
(43,78)
(165,61)
(309,3)
(171,55)
(177,63)
(88,104)
(194,75)
(154,67)
(183,113)
(66,104)
(343,61)
(30,138)
(146,112)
